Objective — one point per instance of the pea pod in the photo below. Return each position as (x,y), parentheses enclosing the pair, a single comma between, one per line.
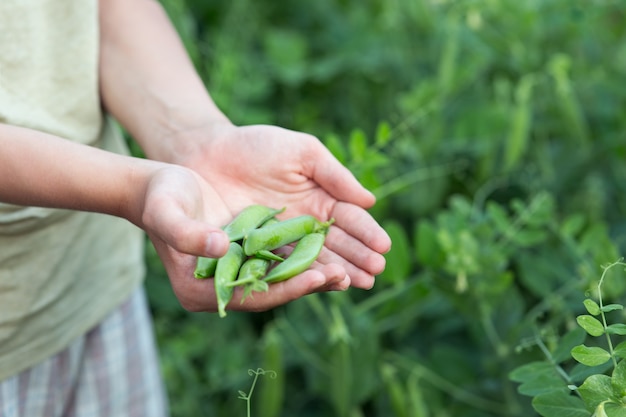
(248,219)
(226,272)
(250,274)
(275,235)
(304,254)
(205,267)
(251,270)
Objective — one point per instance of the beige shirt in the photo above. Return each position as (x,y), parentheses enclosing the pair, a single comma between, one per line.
(61,272)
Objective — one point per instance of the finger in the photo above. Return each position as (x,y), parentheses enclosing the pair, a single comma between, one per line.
(323,278)
(358,277)
(335,178)
(354,252)
(360,225)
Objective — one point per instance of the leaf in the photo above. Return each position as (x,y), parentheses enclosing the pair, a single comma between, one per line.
(592,307)
(612,307)
(528,371)
(595,390)
(573,225)
(590,356)
(383,134)
(620,350)
(618,328)
(559,404)
(591,325)
(615,410)
(537,378)
(618,379)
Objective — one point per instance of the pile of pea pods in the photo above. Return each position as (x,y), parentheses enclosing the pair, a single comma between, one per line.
(255,233)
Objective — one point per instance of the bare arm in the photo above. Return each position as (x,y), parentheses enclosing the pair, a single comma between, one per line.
(147,80)
(167,201)
(39,169)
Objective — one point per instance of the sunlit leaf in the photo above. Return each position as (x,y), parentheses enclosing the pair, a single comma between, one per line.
(383,134)
(595,390)
(620,350)
(592,307)
(590,356)
(618,379)
(591,325)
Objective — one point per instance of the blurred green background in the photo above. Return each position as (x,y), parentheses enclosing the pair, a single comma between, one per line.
(492,133)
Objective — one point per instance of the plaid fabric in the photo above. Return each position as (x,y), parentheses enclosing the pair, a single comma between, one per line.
(112,371)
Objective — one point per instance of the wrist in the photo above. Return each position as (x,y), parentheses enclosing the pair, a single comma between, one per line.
(179,132)
(187,138)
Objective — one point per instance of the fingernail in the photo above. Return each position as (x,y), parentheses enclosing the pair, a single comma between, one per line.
(214,244)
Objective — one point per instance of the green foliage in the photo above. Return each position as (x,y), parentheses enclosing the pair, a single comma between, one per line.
(599,394)
(492,134)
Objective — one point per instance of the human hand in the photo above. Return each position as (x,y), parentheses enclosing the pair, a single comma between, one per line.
(179,210)
(281,168)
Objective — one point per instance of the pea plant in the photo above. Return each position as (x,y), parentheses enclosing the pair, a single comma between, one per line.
(596,385)
(247,397)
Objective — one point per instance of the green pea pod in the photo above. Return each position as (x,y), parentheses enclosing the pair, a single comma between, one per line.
(275,235)
(248,219)
(304,254)
(205,267)
(226,272)
(252,269)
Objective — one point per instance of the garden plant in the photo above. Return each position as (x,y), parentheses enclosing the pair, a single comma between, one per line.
(493,133)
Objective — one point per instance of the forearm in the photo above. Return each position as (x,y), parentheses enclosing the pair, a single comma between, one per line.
(38,169)
(148,82)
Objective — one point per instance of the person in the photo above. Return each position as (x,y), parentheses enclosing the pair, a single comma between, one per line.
(75,333)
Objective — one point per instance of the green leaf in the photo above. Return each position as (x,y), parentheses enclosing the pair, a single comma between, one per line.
(618,379)
(528,371)
(620,350)
(559,404)
(612,307)
(573,225)
(542,384)
(592,307)
(595,390)
(383,134)
(615,409)
(591,325)
(618,328)
(590,356)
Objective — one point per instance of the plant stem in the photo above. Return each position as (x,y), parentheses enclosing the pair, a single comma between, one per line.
(608,336)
